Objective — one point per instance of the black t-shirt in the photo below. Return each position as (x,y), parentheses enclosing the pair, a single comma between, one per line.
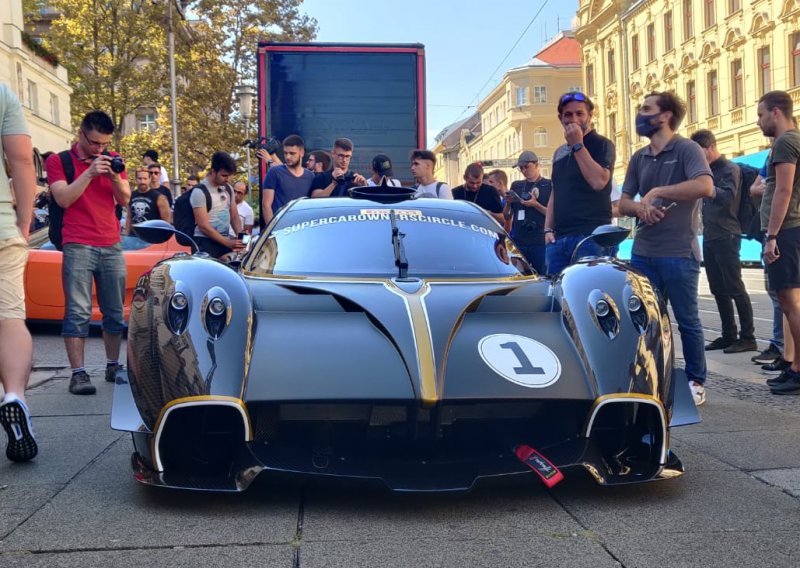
(529,230)
(324,179)
(579,209)
(144,206)
(164,190)
(485,197)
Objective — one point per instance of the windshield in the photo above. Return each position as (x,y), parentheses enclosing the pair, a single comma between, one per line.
(358,242)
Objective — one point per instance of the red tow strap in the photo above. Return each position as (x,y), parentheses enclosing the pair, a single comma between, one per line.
(544,468)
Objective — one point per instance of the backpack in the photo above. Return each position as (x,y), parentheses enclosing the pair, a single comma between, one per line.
(55,212)
(748,214)
(183,213)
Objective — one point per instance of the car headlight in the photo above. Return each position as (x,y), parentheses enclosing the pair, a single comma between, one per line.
(605,313)
(217,312)
(637,312)
(178,312)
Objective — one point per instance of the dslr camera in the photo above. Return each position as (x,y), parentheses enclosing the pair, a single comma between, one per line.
(268,143)
(348,177)
(117,163)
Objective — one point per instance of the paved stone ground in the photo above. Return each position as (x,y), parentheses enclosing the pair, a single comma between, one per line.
(737,505)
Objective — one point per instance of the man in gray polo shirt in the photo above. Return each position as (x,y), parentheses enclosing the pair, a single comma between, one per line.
(671,175)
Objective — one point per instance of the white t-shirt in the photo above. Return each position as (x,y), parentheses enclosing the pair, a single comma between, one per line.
(391,181)
(164,180)
(429,190)
(245,214)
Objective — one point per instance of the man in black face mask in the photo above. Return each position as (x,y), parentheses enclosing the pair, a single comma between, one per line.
(672,176)
(581,198)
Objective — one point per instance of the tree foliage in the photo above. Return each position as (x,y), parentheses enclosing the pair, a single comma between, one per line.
(116,54)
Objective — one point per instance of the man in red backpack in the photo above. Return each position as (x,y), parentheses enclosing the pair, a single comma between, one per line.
(88,183)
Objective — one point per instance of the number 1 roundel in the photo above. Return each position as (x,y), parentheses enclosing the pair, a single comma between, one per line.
(521,360)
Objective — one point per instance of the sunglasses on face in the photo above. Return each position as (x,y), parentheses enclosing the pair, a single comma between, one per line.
(569,97)
(239,192)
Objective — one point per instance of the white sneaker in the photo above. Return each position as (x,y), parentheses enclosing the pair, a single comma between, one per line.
(698,393)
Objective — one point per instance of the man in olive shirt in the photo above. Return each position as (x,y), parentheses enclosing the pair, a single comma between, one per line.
(780,218)
(671,175)
(722,238)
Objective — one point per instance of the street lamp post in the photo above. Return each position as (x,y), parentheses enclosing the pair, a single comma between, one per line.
(176,179)
(245,94)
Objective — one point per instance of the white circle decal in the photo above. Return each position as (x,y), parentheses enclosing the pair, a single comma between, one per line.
(521,360)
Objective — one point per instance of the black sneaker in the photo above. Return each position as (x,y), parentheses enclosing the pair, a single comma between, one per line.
(16,420)
(769,355)
(741,345)
(111,373)
(81,384)
(778,367)
(720,343)
(778,379)
(790,386)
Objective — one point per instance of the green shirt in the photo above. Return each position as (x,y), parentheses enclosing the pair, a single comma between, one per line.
(12,121)
(786,149)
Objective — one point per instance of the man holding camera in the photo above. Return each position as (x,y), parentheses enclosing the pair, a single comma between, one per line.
(335,183)
(287,181)
(91,243)
(526,206)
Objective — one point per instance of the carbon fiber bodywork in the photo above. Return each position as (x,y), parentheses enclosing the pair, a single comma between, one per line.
(425,384)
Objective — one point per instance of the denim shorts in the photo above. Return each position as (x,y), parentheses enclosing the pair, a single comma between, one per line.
(103,266)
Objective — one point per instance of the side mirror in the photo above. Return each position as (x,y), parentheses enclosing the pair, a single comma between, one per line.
(605,236)
(158,231)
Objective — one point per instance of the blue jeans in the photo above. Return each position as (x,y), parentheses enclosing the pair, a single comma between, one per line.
(104,265)
(534,254)
(560,252)
(677,279)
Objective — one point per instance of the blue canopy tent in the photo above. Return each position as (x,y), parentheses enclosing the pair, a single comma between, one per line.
(757,160)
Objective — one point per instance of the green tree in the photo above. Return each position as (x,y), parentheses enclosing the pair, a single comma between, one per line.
(115,52)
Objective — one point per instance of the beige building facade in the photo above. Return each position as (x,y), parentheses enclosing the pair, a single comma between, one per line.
(518,114)
(41,86)
(719,56)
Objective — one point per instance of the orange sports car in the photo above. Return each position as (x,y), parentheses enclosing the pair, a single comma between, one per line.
(44,295)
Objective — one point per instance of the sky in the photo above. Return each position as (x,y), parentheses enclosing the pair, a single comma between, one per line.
(465,42)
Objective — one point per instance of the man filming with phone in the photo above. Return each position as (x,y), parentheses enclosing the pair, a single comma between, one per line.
(526,206)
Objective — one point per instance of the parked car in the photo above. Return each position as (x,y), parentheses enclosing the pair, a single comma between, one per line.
(401,340)
(44,295)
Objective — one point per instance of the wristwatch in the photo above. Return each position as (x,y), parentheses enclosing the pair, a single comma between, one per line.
(576,147)
(772,237)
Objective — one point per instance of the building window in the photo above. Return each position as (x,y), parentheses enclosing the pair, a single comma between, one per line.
(691,101)
(709,13)
(737,83)
(794,51)
(612,125)
(668,32)
(540,137)
(612,70)
(522,96)
(33,97)
(55,116)
(539,94)
(590,80)
(635,51)
(651,42)
(764,78)
(713,94)
(734,6)
(575,90)
(147,121)
(688,20)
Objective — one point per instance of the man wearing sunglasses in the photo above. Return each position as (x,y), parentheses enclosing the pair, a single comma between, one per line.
(582,170)
(91,244)
(154,171)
